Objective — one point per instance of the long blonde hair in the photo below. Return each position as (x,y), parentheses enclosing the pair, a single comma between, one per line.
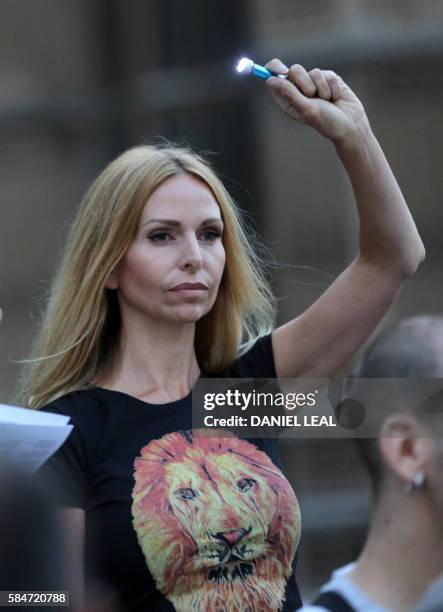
(78,340)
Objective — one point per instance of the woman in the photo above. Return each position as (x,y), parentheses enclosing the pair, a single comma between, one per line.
(159,286)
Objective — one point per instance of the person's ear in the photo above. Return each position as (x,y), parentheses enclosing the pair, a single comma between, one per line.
(405,448)
(111,282)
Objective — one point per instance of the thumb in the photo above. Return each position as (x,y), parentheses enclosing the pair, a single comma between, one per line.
(277,66)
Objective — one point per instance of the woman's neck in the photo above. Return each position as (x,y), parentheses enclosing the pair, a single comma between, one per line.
(156,362)
(402,555)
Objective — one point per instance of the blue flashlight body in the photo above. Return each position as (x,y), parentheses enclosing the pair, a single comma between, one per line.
(261,72)
(247,66)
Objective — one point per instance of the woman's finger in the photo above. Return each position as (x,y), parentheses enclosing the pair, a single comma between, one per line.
(276,66)
(291,100)
(283,102)
(323,89)
(335,84)
(300,77)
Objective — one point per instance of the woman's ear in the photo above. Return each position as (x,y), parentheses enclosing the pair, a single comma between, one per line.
(111,282)
(404,446)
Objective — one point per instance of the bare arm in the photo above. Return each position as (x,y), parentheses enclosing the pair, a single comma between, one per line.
(389,239)
(320,341)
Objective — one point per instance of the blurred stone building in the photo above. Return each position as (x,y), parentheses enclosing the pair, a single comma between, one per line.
(81,81)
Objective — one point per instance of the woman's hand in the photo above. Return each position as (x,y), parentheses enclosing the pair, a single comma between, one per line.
(318,98)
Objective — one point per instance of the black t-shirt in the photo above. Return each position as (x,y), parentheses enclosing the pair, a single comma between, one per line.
(176,520)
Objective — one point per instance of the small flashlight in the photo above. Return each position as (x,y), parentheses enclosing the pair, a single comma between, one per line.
(247,66)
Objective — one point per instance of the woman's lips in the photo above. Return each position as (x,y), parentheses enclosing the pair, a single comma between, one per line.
(190,293)
(190,287)
(190,290)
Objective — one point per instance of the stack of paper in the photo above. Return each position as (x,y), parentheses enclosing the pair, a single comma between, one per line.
(29,437)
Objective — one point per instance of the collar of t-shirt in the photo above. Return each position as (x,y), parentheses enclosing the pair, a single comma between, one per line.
(342,584)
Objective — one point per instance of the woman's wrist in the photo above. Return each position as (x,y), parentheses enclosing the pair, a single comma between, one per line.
(355,140)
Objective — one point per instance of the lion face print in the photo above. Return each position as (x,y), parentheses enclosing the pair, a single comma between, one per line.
(217,521)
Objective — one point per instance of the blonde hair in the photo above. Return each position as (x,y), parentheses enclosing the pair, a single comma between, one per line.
(78,340)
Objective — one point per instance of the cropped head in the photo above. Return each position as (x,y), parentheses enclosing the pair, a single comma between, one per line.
(120,259)
(406,417)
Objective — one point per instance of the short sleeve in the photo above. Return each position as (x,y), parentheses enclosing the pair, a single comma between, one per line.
(64,473)
(258,362)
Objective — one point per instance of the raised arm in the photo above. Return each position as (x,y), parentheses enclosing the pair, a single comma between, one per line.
(323,338)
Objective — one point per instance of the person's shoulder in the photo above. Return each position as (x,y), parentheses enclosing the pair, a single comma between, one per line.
(88,412)
(75,403)
(341,572)
(332,585)
(342,593)
(255,360)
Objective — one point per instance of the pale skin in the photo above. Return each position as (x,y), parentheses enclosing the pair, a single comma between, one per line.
(179,240)
(403,553)
(319,341)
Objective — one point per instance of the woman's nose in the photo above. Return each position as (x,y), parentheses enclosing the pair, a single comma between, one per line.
(191,255)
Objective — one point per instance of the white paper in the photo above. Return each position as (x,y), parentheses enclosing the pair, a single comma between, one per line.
(29,437)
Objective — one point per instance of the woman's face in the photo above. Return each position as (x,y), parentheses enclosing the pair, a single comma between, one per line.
(173,268)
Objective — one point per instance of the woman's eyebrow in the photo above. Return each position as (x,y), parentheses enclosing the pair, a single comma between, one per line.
(174,223)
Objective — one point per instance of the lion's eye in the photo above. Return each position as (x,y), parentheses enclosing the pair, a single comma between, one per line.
(186,493)
(244,484)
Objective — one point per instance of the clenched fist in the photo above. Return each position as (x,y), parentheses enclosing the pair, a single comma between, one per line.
(318,98)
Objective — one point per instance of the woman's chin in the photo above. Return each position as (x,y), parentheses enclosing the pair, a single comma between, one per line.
(189,313)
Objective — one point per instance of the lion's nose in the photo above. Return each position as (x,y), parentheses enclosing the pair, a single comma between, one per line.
(231,537)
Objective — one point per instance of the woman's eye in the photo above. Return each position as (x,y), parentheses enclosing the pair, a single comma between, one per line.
(211,235)
(208,236)
(160,237)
